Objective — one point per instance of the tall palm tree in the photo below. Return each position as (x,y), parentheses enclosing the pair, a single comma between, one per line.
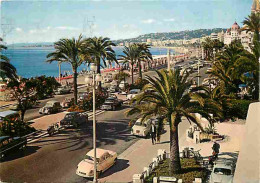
(252,23)
(143,55)
(69,51)
(171,100)
(101,49)
(7,70)
(131,56)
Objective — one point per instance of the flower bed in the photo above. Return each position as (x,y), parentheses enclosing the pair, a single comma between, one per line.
(190,171)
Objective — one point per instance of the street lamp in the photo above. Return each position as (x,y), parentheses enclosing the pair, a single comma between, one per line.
(198,72)
(92,81)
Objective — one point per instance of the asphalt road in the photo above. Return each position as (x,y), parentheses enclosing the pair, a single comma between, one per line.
(55,159)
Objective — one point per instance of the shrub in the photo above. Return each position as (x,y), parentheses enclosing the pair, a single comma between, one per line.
(190,170)
(121,76)
(75,108)
(238,109)
(15,127)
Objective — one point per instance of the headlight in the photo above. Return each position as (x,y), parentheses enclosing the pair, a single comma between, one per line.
(91,172)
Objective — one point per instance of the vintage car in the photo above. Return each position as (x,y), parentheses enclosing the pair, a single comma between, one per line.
(11,144)
(67,102)
(50,107)
(133,93)
(140,128)
(62,90)
(74,119)
(8,114)
(105,159)
(111,103)
(223,172)
(113,89)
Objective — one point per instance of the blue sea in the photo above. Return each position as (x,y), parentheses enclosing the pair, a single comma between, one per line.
(31,62)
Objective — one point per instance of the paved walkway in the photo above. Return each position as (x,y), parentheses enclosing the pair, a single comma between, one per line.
(140,155)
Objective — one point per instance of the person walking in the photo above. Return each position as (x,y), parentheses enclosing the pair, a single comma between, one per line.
(215,149)
(153,133)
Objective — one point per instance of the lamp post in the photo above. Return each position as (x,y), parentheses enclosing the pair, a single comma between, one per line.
(92,81)
(198,72)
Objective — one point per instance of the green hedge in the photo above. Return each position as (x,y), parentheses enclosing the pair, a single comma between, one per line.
(238,109)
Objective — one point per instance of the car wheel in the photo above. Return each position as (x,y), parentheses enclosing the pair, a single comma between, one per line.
(99,173)
(49,112)
(113,108)
(2,155)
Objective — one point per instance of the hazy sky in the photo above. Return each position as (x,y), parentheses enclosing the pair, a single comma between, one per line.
(44,21)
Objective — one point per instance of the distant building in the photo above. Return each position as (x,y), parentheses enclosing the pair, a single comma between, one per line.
(221,36)
(214,36)
(232,34)
(255,7)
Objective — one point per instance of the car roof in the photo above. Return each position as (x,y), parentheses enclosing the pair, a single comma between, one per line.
(72,113)
(135,90)
(111,98)
(99,152)
(3,138)
(7,113)
(223,165)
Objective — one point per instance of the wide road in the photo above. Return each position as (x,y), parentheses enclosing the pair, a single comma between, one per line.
(55,159)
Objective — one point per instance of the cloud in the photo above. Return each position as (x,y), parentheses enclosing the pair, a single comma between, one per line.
(169,20)
(18,29)
(66,28)
(148,21)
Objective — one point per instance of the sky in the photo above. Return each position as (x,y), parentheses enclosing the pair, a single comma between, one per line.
(28,21)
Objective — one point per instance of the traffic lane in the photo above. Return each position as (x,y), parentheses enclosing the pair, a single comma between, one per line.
(55,159)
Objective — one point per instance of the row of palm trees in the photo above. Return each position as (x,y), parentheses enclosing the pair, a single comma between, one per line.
(171,98)
(94,50)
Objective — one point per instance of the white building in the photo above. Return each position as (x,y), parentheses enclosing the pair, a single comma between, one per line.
(214,36)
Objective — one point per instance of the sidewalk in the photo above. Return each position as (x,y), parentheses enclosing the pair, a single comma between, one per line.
(134,159)
(140,155)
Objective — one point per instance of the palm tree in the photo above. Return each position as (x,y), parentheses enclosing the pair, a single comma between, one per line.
(252,23)
(69,51)
(208,48)
(224,68)
(101,49)
(171,100)
(7,70)
(143,55)
(131,56)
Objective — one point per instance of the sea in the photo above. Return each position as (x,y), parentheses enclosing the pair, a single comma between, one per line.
(31,62)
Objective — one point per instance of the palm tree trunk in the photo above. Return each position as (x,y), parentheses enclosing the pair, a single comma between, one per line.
(132,72)
(75,86)
(140,69)
(175,165)
(98,72)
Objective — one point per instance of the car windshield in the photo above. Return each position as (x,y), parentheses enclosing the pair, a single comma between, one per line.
(69,116)
(87,157)
(48,104)
(222,171)
(109,101)
(138,123)
(133,92)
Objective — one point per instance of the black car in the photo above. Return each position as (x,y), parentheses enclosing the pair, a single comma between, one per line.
(74,119)
(111,103)
(10,144)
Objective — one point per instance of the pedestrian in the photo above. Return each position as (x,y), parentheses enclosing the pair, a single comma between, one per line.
(153,133)
(215,149)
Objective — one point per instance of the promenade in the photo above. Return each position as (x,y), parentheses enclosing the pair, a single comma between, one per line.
(140,154)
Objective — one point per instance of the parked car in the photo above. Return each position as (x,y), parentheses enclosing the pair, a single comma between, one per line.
(62,90)
(123,84)
(223,172)
(8,114)
(133,93)
(74,119)
(51,107)
(11,144)
(111,103)
(105,160)
(67,102)
(113,89)
(140,128)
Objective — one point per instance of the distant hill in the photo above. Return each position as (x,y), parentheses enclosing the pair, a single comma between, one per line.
(42,44)
(188,34)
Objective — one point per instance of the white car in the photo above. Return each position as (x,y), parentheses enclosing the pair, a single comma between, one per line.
(105,159)
(141,129)
(223,172)
(133,93)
